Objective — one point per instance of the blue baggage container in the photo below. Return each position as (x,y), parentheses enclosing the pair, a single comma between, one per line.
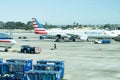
(6,78)
(43,75)
(16,69)
(53,62)
(106,41)
(28,63)
(50,62)
(4,69)
(49,67)
(1,60)
(12,68)
(19,76)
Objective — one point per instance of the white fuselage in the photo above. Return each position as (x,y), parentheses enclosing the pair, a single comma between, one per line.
(82,33)
(6,40)
(7,43)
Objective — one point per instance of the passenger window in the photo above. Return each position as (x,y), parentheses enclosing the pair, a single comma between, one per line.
(112,32)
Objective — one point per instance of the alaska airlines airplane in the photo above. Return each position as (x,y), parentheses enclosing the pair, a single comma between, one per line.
(6,41)
(72,34)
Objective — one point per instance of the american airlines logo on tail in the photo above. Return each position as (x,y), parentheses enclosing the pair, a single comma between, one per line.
(38,28)
(34,23)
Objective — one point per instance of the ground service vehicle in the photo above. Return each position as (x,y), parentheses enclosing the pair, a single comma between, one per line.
(29,49)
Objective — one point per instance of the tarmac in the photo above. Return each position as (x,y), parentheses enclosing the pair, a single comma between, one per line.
(83,60)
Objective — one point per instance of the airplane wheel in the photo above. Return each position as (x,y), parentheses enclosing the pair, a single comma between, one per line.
(73,40)
(6,50)
(57,40)
(63,38)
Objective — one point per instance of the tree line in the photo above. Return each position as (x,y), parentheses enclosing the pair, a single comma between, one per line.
(29,25)
(16,25)
(21,25)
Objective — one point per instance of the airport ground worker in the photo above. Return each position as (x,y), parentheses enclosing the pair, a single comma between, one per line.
(55,47)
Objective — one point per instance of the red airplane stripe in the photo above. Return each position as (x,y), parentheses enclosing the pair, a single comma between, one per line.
(35,27)
(33,21)
(4,41)
(39,30)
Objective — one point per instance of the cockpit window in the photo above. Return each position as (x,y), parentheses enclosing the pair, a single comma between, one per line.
(5,36)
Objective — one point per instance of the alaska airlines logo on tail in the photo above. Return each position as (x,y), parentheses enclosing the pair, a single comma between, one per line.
(38,28)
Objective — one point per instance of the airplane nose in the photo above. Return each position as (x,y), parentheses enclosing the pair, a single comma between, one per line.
(13,42)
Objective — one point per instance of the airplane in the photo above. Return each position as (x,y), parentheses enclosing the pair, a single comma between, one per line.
(83,35)
(117,31)
(117,38)
(6,41)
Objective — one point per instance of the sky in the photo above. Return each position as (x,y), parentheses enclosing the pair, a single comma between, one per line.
(61,12)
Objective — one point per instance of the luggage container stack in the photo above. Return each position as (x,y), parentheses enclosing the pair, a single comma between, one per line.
(7,71)
(3,77)
(58,65)
(15,69)
(24,66)
(47,70)
(43,75)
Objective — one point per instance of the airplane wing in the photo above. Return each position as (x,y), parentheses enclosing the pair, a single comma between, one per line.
(73,35)
(80,36)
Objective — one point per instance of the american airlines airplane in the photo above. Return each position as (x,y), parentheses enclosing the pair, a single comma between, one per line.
(6,41)
(72,34)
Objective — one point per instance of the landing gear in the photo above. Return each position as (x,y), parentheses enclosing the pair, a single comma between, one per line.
(41,37)
(73,39)
(63,38)
(58,38)
(88,40)
(6,49)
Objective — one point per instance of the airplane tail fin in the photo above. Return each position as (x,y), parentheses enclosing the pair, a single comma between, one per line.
(38,28)
(36,24)
(46,25)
